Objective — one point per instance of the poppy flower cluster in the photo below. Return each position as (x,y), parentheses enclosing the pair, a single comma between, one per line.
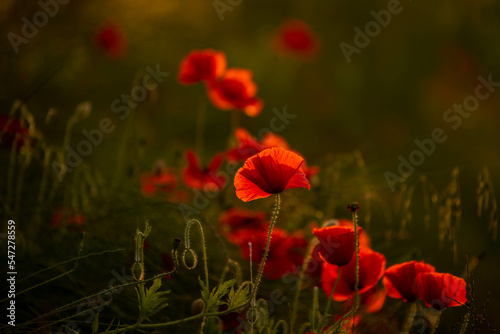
(414,280)
(227,89)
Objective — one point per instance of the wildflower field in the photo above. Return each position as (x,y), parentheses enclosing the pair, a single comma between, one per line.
(236,166)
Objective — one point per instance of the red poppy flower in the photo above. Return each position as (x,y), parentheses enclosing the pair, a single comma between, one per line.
(269,172)
(160,181)
(12,129)
(441,290)
(64,216)
(286,252)
(296,38)
(337,244)
(202,65)
(399,279)
(235,90)
(203,179)
(249,146)
(371,269)
(111,40)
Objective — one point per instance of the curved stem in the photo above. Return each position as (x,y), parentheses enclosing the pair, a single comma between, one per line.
(302,276)
(204,246)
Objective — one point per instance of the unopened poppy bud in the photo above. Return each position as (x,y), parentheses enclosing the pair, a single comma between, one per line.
(177,243)
(198,306)
(353,207)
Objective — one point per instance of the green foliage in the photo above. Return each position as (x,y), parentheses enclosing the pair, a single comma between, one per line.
(240,296)
(151,300)
(214,299)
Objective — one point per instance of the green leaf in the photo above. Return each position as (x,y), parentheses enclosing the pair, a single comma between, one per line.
(214,299)
(151,301)
(240,296)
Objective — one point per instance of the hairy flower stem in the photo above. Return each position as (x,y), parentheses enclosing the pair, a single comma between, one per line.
(410,317)
(302,276)
(328,303)
(264,258)
(356,286)
(204,247)
(436,324)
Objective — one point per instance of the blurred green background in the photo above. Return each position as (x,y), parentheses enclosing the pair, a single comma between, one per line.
(366,113)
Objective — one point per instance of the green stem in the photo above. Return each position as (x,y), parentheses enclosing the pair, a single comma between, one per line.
(264,258)
(436,324)
(410,317)
(302,276)
(327,309)
(204,248)
(315,308)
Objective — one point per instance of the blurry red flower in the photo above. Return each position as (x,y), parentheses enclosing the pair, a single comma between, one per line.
(399,279)
(269,172)
(237,218)
(371,301)
(371,269)
(337,244)
(249,145)
(158,182)
(111,40)
(296,38)
(235,90)
(64,216)
(441,290)
(286,252)
(12,130)
(201,65)
(204,179)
